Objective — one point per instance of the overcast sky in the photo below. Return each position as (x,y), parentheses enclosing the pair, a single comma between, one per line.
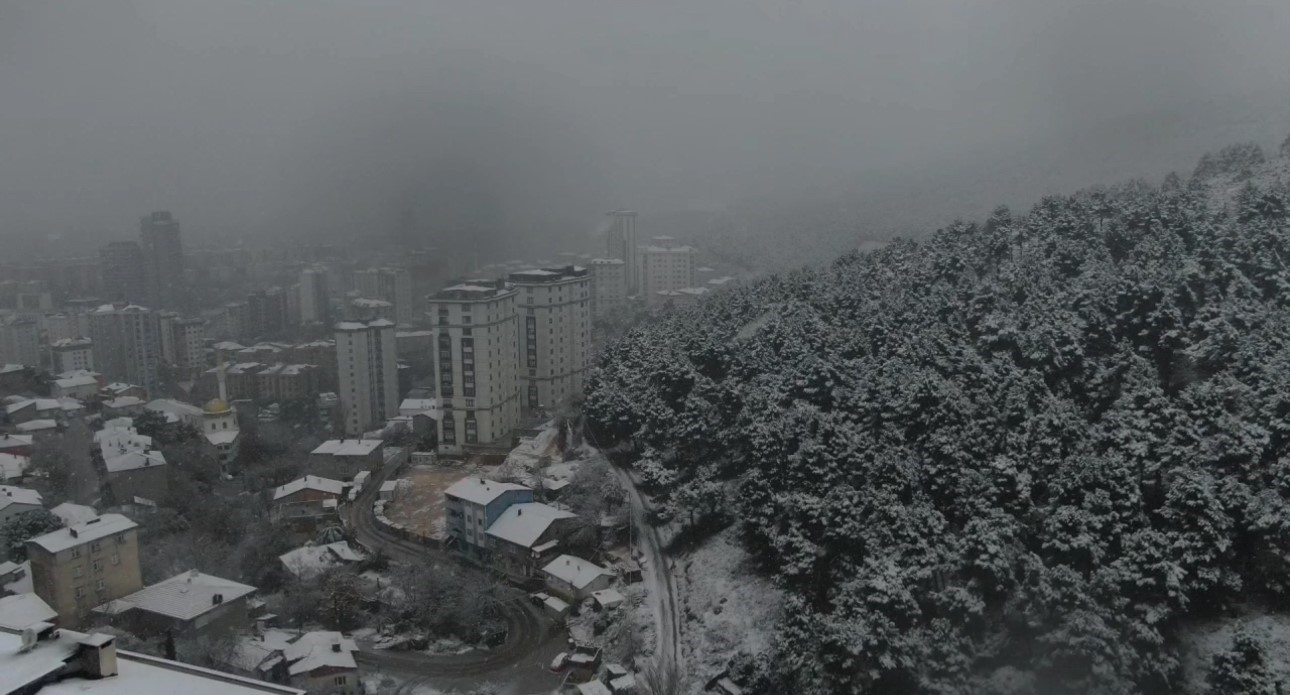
(249,117)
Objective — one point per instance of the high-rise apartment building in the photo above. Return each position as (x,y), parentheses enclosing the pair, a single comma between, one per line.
(315,297)
(183,343)
(20,342)
(68,355)
(369,374)
(608,286)
(554,312)
(665,267)
(124,275)
(163,257)
(127,344)
(66,326)
(393,285)
(621,243)
(476,349)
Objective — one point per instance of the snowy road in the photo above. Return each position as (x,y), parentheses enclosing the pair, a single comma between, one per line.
(658,577)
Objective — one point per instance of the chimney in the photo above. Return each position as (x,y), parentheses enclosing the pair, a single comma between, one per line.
(217,599)
(72,531)
(519,512)
(193,574)
(97,655)
(335,644)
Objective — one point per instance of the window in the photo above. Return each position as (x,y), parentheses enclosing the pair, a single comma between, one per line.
(340,680)
(100,585)
(76,552)
(78,570)
(98,565)
(80,591)
(95,547)
(116,559)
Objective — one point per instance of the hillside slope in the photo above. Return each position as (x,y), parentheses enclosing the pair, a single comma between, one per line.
(1014,458)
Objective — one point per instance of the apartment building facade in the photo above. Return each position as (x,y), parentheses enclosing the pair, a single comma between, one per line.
(554,315)
(608,286)
(127,344)
(85,565)
(368,378)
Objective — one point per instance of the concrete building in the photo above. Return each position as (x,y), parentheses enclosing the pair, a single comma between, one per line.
(310,498)
(127,344)
(574,579)
(79,567)
(186,605)
(288,382)
(527,536)
(66,326)
(608,286)
(554,310)
(315,295)
(163,258)
(369,377)
(665,268)
(477,343)
(187,339)
(137,474)
(20,342)
(367,309)
(266,312)
(70,355)
(342,459)
(621,244)
(16,500)
(393,285)
(122,266)
(471,505)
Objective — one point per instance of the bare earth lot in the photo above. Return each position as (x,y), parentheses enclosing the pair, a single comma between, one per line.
(419,506)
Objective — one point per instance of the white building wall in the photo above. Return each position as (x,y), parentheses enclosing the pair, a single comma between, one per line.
(665,269)
(475,344)
(368,374)
(554,339)
(608,286)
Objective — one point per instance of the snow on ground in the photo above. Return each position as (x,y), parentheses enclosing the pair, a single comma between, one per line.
(1200,642)
(726,607)
(449,645)
(419,505)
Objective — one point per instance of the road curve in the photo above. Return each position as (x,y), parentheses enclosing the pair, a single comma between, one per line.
(526,628)
(662,584)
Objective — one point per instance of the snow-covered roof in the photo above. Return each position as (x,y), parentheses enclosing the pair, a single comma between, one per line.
(574,570)
(72,514)
(14,441)
(21,610)
(13,466)
(593,688)
(310,560)
(309,482)
(173,410)
(75,381)
(348,447)
(608,597)
(115,441)
(124,402)
(93,529)
(220,437)
(315,650)
(182,597)
(523,524)
(479,490)
(22,584)
(119,387)
(133,460)
(229,345)
(418,405)
(18,495)
(623,684)
(10,368)
(36,425)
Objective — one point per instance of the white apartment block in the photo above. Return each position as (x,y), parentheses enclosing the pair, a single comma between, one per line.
(183,342)
(127,344)
(476,346)
(608,286)
(664,268)
(69,355)
(393,285)
(62,326)
(368,374)
(20,343)
(621,243)
(315,296)
(554,310)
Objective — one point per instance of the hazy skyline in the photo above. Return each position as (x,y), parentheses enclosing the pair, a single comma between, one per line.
(497,119)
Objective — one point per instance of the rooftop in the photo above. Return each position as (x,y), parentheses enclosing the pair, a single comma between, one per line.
(472,291)
(316,650)
(13,466)
(134,460)
(480,490)
(173,410)
(606,261)
(18,495)
(21,610)
(348,447)
(78,380)
(574,570)
(182,597)
(524,524)
(93,529)
(309,482)
(548,275)
(14,441)
(72,514)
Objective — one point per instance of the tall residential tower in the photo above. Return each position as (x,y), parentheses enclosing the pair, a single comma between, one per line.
(554,309)
(368,374)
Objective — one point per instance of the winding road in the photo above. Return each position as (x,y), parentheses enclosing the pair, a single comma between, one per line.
(528,631)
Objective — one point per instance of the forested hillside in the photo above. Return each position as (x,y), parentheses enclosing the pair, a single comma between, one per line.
(1016,457)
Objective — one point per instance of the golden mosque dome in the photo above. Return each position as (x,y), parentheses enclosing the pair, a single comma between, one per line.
(216,406)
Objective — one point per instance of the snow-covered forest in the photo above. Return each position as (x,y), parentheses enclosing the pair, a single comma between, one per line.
(1020,456)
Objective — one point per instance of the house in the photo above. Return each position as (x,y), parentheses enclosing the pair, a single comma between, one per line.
(45,660)
(574,578)
(310,561)
(190,604)
(80,385)
(78,567)
(307,499)
(138,474)
(38,429)
(13,468)
(16,444)
(20,610)
(419,406)
(16,500)
(176,412)
(471,505)
(322,663)
(72,514)
(525,537)
(340,459)
(124,406)
(15,578)
(607,599)
(119,389)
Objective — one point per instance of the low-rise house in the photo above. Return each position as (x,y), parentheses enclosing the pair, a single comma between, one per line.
(607,599)
(176,412)
(28,409)
(307,498)
(420,406)
(38,429)
(574,578)
(322,663)
(138,474)
(341,459)
(15,578)
(72,514)
(124,406)
(288,382)
(310,561)
(471,505)
(191,603)
(82,386)
(46,660)
(13,468)
(21,610)
(16,444)
(120,389)
(16,500)
(78,567)
(526,536)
